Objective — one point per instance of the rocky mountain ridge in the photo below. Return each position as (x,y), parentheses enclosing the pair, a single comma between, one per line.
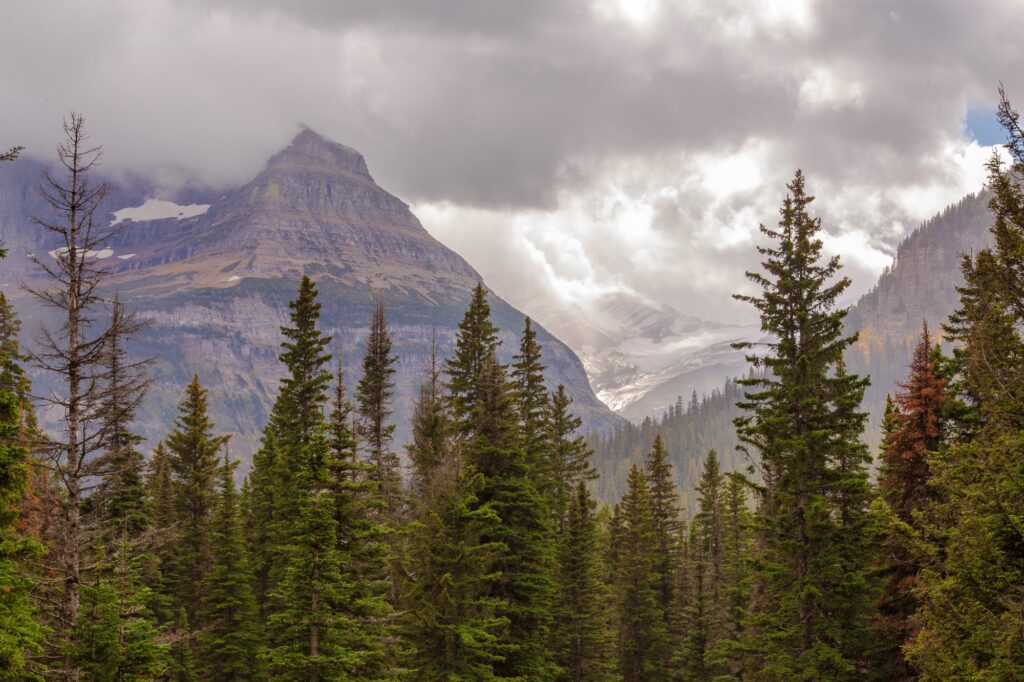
(215,282)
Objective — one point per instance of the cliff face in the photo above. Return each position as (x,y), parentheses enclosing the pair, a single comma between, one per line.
(920,286)
(215,275)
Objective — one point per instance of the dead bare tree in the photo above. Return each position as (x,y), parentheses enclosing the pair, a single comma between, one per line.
(78,354)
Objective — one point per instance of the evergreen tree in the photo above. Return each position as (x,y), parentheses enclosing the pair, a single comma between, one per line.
(194,451)
(803,421)
(583,641)
(476,341)
(969,614)
(570,455)
(308,633)
(121,499)
(525,581)
(362,546)
(373,400)
(531,402)
(115,636)
(642,634)
(431,445)
(725,654)
(664,499)
(913,432)
(297,413)
(20,633)
(227,644)
(706,615)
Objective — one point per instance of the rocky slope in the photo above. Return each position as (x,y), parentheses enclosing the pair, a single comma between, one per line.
(920,286)
(214,271)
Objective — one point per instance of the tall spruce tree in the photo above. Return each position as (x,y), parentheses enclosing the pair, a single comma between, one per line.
(643,639)
(664,500)
(194,454)
(431,447)
(582,637)
(308,634)
(531,402)
(297,413)
(804,425)
(570,455)
(525,582)
(374,394)
(227,644)
(476,340)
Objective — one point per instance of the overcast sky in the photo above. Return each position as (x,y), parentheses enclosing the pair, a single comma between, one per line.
(565,148)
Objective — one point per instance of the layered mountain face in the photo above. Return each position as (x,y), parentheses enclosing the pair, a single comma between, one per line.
(640,356)
(214,272)
(919,287)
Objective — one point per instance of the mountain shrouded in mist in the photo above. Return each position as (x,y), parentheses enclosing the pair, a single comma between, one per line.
(214,271)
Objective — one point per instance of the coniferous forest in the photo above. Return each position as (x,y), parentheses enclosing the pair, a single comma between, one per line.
(478,550)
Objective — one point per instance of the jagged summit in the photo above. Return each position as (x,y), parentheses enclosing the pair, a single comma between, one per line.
(311,151)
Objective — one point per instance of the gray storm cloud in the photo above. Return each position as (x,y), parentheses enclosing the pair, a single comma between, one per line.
(580,135)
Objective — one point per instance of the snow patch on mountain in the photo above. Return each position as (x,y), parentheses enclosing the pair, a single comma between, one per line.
(159,209)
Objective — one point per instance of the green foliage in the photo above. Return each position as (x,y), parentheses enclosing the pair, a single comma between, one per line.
(115,637)
(969,588)
(810,618)
(643,639)
(570,455)
(476,341)
(524,569)
(583,641)
(227,644)
(194,456)
(20,633)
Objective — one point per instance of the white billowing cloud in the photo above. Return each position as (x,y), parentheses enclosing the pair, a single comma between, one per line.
(567,148)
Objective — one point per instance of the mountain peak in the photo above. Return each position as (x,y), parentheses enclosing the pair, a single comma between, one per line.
(309,149)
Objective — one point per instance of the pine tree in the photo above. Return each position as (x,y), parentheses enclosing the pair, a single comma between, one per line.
(570,455)
(706,615)
(297,413)
(531,402)
(121,499)
(308,633)
(476,341)
(583,641)
(431,446)
(116,637)
(194,453)
(227,644)
(643,637)
(362,546)
(725,653)
(526,564)
(913,432)
(374,394)
(455,628)
(804,423)
(665,511)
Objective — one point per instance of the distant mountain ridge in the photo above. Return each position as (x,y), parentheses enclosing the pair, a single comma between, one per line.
(215,282)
